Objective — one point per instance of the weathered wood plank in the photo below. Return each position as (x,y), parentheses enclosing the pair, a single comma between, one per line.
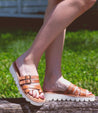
(19,6)
(28,10)
(22,15)
(8,10)
(21,106)
(34,3)
(33,9)
(8,3)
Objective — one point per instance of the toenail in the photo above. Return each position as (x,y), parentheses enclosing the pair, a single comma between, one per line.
(30,93)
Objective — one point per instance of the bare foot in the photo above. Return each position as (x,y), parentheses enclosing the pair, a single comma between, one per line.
(27,67)
(59,84)
(54,84)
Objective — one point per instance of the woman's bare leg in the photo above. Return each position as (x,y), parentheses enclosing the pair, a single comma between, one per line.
(54,52)
(59,19)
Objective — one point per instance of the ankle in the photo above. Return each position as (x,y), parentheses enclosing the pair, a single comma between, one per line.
(30,60)
(51,78)
(56,85)
(52,75)
(26,68)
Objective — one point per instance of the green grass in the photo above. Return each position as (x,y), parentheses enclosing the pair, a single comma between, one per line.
(79,60)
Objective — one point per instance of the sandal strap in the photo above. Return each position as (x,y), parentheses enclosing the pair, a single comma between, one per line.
(28,77)
(70,89)
(73,89)
(27,88)
(83,92)
(31,87)
(26,83)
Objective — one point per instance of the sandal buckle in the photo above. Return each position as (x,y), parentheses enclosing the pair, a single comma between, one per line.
(30,79)
(26,80)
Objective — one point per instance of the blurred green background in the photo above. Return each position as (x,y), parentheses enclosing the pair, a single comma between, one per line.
(79,60)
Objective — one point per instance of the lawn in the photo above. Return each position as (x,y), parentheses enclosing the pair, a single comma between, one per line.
(79,60)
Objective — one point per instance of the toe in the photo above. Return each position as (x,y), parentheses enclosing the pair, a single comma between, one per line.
(42,96)
(88,92)
(34,93)
(37,96)
(30,92)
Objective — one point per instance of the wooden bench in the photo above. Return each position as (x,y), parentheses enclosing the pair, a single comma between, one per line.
(19,105)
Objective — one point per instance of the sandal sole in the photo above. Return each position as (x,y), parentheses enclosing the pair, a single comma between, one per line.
(59,97)
(14,75)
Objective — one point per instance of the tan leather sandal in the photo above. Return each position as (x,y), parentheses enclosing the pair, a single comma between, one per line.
(72,93)
(27,83)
